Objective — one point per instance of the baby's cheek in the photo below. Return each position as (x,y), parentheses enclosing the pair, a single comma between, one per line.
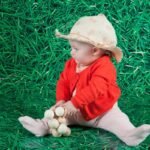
(81,59)
(78,57)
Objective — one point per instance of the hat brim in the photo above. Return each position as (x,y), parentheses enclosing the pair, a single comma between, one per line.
(118,54)
(116,51)
(74,36)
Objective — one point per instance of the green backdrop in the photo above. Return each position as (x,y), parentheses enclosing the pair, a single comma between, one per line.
(31,59)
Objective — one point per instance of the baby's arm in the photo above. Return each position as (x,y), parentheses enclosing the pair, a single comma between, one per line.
(62,87)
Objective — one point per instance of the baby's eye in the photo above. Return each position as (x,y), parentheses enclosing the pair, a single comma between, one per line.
(75,49)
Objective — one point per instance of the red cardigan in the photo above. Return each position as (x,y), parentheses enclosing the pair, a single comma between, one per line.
(96,87)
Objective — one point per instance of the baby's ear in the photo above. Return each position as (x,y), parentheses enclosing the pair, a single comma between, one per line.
(95,51)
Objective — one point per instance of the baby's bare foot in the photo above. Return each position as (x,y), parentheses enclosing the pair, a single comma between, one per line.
(137,135)
(38,127)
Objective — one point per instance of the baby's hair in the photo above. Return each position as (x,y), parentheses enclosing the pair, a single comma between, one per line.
(109,53)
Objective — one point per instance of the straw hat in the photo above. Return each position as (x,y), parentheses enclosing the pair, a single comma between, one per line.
(95,30)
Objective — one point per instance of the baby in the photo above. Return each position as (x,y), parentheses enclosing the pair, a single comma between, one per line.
(87,86)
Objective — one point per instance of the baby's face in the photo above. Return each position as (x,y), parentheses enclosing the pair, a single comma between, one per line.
(84,53)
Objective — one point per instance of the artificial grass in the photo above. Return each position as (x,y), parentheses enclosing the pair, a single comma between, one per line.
(32,58)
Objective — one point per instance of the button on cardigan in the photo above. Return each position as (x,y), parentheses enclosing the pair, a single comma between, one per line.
(96,87)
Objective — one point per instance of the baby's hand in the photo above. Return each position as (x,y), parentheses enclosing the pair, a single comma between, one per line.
(70,110)
(59,103)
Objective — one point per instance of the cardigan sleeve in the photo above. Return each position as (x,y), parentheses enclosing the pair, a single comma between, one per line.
(62,85)
(98,85)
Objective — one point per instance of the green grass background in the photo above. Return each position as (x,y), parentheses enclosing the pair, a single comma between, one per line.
(31,59)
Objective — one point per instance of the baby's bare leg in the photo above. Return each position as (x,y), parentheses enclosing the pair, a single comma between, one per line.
(118,123)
